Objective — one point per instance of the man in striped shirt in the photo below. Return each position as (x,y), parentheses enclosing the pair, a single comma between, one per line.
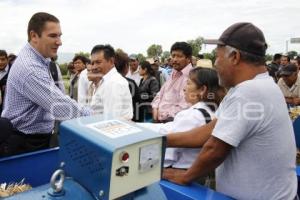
(32,101)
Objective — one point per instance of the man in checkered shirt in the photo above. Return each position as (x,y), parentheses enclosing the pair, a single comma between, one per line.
(33,101)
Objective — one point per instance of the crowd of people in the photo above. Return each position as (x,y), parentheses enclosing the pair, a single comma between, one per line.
(285,72)
(231,119)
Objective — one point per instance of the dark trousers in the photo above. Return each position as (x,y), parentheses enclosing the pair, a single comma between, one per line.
(18,143)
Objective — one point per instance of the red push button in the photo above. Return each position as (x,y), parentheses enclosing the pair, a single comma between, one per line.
(124,157)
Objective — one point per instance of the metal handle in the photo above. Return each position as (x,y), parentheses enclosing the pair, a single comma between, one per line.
(57,180)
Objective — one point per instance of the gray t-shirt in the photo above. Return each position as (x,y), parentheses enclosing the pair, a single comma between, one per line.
(253,118)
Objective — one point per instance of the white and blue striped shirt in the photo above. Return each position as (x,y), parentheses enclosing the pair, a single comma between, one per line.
(32,100)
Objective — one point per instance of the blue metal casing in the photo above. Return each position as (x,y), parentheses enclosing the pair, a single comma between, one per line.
(88,161)
(37,168)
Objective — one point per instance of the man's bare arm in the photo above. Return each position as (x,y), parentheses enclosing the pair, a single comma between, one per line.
(213,153)
(193,138)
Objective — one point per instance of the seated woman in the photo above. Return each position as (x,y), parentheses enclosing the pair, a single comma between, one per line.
(148,88)
(204,94)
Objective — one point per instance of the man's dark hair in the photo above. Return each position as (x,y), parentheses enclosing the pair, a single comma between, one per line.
(11,58)
(184,47)
(88,61)
(121,61)
(3,53)
(108,51)
(276,56)
(82,58)
(38,21)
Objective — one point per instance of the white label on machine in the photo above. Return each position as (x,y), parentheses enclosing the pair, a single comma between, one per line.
(114,128)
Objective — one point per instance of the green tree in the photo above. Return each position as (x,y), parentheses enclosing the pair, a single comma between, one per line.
(196,45)
(141,57)
(165,55)
(211,56)
(155,50)
(269,57)
(64,69)
(85,54)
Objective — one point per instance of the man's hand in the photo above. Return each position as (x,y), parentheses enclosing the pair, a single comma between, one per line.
(292,100)
(175,175)
(296,101)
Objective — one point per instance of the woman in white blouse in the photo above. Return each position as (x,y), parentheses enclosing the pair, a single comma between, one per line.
(204,94)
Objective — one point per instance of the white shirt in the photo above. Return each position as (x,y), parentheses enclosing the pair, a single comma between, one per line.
(134,76)
(253,118)
(83,86)
(4,72)
(184,120)
(113,98)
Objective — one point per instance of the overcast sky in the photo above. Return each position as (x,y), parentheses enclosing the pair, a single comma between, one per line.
(134,25)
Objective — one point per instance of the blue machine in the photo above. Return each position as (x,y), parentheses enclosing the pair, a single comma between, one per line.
(101,160)
(111,158)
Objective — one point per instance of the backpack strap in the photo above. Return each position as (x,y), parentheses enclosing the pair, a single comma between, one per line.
(205,114)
